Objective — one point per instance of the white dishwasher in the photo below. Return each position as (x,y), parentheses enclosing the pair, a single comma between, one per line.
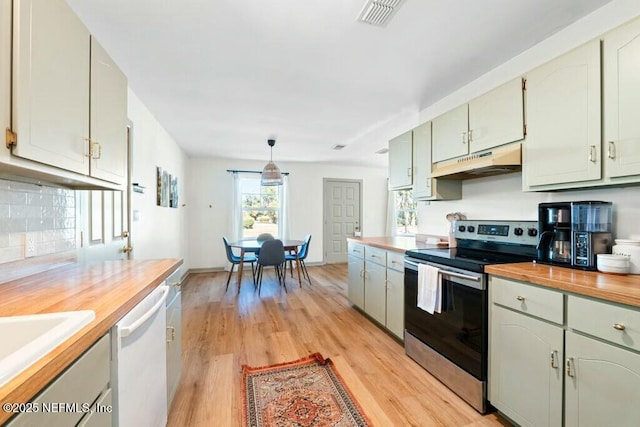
(138,369)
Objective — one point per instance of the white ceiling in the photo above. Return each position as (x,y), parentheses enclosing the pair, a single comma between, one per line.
(223,76)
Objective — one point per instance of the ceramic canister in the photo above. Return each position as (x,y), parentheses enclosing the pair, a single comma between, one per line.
(631,249)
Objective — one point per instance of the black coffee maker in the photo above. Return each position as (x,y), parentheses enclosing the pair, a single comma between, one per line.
(571,234)
(554,226)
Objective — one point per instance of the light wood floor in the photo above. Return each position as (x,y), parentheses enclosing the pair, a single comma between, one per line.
(221,332)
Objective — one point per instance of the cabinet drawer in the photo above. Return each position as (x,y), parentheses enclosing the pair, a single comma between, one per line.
(395,261)
(540,302)
(80,384)
(377,255)
(619,325)
(101,412)
(356,249)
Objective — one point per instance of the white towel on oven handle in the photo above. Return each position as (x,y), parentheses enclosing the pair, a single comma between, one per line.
(429,288)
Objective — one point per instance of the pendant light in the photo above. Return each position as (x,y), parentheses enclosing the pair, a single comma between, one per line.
(271,173)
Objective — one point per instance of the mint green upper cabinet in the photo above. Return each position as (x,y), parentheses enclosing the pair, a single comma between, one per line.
(5,64)
(401,161)
(450,134)
(108,117)
(51,84)
(563,120)
(69,102)
(621,104)
(422,188)
(497,117)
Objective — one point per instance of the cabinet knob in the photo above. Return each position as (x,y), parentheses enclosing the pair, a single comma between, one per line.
(592,153)
(619,327)
(520,298)
(172,335)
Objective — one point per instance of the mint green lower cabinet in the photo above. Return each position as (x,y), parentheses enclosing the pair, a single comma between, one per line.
(526,368)
(355,290)
(395,302)
(602,384)
(375,292)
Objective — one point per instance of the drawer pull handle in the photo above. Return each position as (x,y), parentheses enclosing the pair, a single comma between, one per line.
(520,298)
(619,327)
(554,359)
(570,370)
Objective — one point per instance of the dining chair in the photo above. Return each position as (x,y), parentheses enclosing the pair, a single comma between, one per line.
(271,254)
(236,260)
(264,236)
(302,254)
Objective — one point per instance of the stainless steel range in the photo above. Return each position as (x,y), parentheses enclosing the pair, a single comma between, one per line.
(452,344)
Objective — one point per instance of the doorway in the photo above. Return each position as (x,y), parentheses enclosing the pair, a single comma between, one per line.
(342,216)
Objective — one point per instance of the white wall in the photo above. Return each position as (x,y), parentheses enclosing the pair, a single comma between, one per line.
(209,194)
(501,197)
(159,232)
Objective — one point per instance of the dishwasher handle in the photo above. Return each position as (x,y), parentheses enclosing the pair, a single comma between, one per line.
(125,331)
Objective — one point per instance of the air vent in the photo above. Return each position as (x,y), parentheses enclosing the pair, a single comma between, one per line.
(338,147)
(379,12)
(382,151)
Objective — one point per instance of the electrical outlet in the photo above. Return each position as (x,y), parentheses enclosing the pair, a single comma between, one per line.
(30,245)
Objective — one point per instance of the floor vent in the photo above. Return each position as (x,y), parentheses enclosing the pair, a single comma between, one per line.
(379,12)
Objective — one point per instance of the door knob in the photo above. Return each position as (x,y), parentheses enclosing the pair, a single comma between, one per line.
(127,249)
(125,234)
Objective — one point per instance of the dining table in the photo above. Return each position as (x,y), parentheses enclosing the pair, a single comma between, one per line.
(253,245)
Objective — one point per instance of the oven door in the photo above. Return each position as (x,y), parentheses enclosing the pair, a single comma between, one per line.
(459,332)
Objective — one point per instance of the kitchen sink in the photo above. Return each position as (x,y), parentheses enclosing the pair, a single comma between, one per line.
(25,339)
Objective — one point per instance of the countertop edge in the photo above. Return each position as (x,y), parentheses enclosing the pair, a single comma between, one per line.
(621,289)
(32,380)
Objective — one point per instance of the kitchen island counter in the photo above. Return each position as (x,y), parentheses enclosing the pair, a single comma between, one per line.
(623,289)
(110,289)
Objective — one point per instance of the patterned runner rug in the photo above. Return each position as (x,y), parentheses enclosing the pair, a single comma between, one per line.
(306,392)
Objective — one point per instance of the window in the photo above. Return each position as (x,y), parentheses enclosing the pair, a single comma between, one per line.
(261,208)
(406,214)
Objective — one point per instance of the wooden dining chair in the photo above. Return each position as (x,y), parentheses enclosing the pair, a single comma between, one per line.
(236,260)
(271,254)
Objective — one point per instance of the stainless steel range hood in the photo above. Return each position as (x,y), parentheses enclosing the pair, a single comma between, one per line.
(497,161)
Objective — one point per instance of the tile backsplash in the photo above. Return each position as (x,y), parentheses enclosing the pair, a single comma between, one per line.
(35,220)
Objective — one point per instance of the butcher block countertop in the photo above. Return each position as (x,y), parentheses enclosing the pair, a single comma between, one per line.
(396,244)
(110,289)
(623,289)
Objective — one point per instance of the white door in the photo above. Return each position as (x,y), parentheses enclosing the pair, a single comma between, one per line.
(342,217)
(103,220)
(621,79)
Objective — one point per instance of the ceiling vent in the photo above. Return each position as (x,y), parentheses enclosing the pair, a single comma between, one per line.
(338,147)
(379,12)
(384,150)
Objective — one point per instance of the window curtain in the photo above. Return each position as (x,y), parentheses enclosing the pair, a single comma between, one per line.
(390,224)
(235,225)
(285,206)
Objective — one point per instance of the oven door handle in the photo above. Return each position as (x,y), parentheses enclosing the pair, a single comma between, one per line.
(446,272)
(459,276)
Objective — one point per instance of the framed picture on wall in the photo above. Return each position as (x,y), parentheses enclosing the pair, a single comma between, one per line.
(159,186)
